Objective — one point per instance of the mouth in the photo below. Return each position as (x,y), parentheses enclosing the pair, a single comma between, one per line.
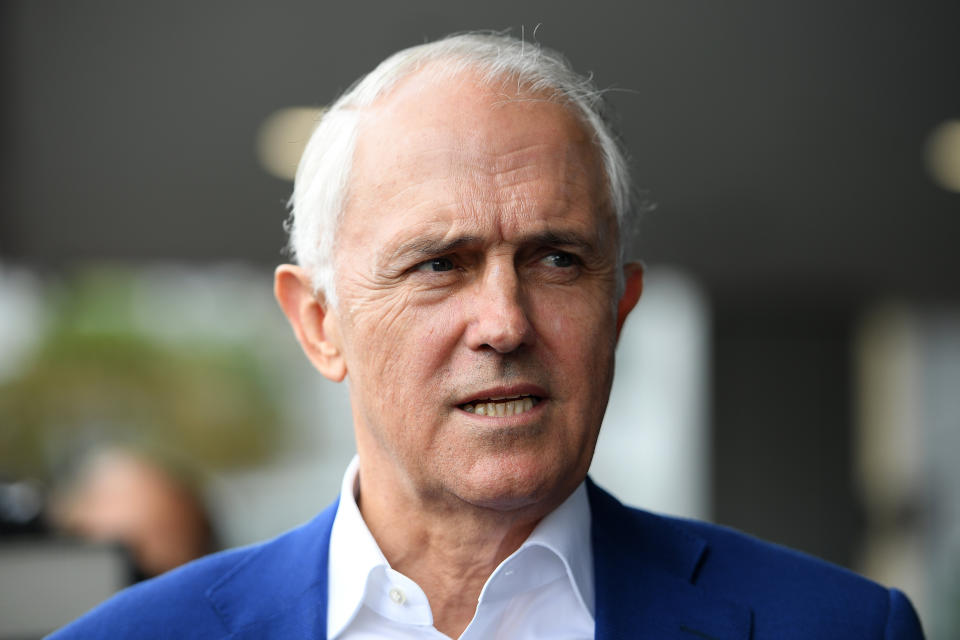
(501,406)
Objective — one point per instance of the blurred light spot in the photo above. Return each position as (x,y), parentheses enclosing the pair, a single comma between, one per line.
(943,155)
(20,502)
(22,318)
(282,138)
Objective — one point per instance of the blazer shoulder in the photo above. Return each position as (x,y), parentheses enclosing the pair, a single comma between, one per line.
(173,605)
(216,595)
(796,594)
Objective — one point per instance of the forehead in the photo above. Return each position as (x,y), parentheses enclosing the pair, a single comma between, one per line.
(436,150)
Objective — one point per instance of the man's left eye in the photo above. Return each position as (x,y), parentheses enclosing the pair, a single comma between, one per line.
(560,259)
(436,264)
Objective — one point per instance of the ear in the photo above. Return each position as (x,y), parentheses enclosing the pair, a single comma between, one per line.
(316,327)
(633,287)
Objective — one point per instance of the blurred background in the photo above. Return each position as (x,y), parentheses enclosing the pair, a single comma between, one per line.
(793,369)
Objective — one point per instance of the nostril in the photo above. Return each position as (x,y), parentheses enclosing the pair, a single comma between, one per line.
(505,337)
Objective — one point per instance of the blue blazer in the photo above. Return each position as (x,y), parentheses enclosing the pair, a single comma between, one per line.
(656,577)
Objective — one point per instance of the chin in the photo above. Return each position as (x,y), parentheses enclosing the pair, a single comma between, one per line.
(509,486)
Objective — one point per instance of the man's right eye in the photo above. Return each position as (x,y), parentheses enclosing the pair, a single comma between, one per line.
(436,264)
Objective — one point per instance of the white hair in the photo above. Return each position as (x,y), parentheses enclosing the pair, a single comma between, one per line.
(323,175)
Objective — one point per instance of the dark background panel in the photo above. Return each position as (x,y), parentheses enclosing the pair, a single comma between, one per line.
(781,427)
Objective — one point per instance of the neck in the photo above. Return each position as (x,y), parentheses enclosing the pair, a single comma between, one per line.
(448,547)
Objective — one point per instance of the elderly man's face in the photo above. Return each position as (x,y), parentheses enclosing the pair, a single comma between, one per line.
(476,267)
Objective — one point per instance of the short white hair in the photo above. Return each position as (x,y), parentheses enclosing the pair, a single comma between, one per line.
(323,175)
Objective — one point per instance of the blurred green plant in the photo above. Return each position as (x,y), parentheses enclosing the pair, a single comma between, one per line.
(98,377)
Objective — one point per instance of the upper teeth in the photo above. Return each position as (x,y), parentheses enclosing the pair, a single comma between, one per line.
(501,406)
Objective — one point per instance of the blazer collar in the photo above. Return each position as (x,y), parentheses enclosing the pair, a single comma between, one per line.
(644,570)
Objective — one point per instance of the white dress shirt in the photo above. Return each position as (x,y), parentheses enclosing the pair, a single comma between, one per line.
(544,590)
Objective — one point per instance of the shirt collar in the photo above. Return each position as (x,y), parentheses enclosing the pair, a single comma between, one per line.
(566,532)
(355,556)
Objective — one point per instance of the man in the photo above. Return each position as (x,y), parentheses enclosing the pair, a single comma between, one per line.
(457,221)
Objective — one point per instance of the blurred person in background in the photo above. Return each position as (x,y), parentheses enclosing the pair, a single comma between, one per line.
(459,222)
(120,496)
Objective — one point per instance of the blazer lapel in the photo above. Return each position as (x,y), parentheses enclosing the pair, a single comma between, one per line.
(280,591)
(644,570)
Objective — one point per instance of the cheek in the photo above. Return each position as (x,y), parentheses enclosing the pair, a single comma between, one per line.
(392,338)
(577,326)
(579,336)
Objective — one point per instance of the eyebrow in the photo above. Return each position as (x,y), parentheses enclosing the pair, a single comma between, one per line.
(430,246)
(433,246)
(555,238)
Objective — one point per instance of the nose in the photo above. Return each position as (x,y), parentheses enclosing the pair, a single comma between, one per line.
(500,319)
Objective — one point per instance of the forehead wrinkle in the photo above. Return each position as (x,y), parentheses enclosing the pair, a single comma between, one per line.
(474,196)
(508,207)
(562,159)
(396,198)
(563,178)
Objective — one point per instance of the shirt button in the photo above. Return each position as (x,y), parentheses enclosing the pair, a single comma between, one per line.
(397,596)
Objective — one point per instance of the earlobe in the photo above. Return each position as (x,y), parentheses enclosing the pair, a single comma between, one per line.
(315,326)
(633,287)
